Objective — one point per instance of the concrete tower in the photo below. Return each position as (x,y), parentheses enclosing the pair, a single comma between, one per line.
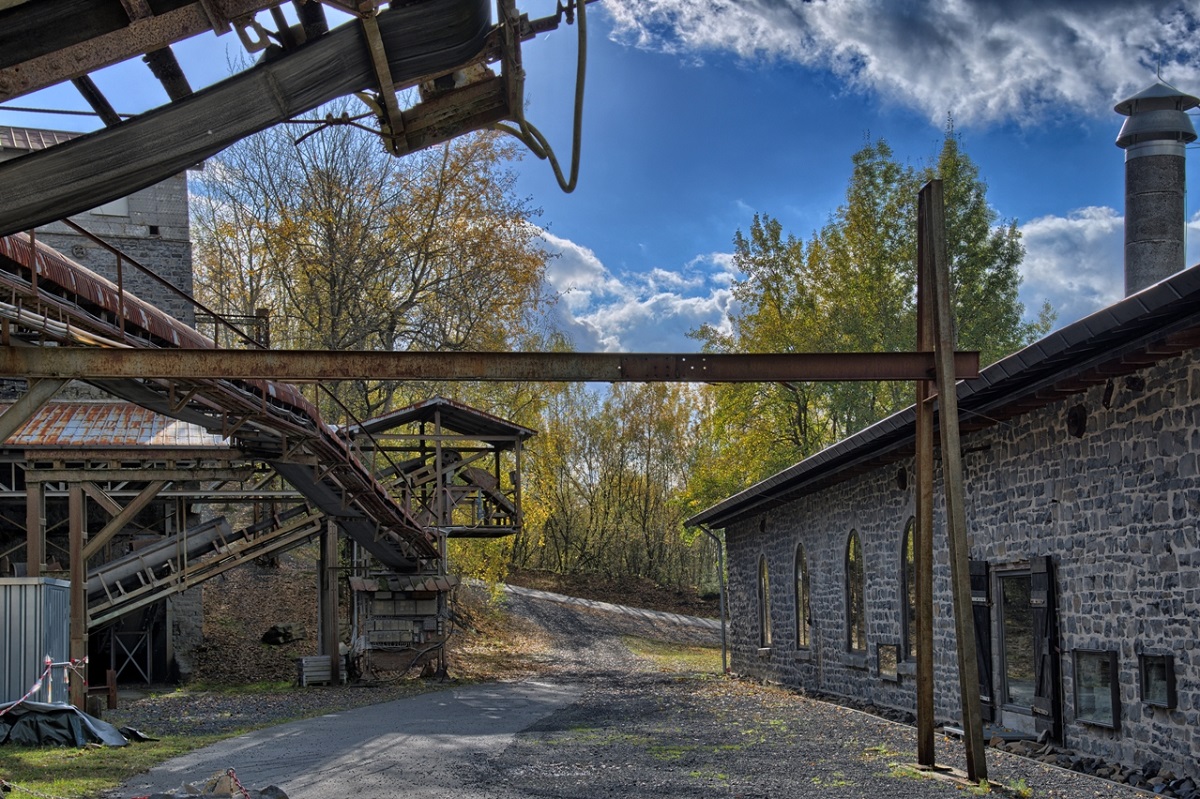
(1153,139)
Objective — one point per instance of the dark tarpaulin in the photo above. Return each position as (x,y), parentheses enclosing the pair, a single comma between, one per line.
(42,724)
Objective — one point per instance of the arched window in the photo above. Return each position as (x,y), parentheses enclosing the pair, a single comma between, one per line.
(908,586)
(856,621)
(803,617)
(764,603)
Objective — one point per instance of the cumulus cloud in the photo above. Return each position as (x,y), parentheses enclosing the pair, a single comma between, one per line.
(982,60)
(1074,261)
(650,312)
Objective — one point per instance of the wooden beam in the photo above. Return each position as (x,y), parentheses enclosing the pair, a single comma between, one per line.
(924,462)
(96,99)
(140,475)
(100,498)
(952,480)
(322,365)
(122,518)
(36,395)
(77,526)
(327,573)
(35,536)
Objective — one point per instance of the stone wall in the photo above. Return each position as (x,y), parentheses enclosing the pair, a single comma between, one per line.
(185,611)
(151,226)
(1115,508)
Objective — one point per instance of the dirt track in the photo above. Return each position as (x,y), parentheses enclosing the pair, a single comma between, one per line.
(600,721)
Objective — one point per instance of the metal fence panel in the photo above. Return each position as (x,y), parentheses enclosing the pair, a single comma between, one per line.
(35,621)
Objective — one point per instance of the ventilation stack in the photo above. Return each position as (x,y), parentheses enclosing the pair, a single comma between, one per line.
(1153,138)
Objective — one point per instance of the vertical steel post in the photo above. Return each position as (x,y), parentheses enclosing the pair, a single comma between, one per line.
(327,588)
(923,549)
(952,479)
(35,536)
(121,294)
(77,526)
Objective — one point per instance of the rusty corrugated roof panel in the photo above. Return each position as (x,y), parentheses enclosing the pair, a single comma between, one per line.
(101,424)
(31,139)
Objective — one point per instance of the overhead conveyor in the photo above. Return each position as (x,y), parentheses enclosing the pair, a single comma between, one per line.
(420,39)
(49,300)
(468,69)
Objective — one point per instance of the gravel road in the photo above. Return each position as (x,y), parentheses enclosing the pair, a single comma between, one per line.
(598,721)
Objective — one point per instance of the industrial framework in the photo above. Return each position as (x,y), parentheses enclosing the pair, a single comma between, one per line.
(444,47)
(467,71)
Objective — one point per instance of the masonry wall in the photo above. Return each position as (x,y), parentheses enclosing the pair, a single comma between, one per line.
(150,226)
(1115,508)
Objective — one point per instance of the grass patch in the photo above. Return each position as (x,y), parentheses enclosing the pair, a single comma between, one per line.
(673,657)
(78,773)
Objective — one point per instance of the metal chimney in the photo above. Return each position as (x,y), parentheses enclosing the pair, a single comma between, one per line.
(1153,139)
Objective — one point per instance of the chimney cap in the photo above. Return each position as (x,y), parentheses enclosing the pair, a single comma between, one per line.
(1156,114)
(1161,96)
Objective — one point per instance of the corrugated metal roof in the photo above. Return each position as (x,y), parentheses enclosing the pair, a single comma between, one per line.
(32,139)
(101,424)
(1106,336)
(456,417)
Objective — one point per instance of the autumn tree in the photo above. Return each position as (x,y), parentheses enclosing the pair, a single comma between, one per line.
(605,483)
(352,249)
(851,287)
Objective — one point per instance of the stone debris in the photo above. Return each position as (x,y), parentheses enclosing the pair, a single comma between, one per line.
(280,634)
(1150,777)
(223,785)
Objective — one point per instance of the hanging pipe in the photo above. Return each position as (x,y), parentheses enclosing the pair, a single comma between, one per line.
(721,582)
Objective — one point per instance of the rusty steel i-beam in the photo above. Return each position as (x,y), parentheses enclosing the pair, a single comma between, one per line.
(313,365)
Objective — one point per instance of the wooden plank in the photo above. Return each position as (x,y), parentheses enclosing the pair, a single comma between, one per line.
(78,595)
(923,554)
(952,479)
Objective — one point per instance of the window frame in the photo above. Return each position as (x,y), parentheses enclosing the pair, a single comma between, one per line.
(803,599)
(1002,638)
(1114,687)
(908,590)
(1168,661)
(855,621)
(764,603)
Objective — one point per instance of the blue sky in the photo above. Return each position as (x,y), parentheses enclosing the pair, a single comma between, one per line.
(700,113)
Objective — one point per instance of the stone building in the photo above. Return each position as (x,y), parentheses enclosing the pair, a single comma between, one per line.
(1082,499)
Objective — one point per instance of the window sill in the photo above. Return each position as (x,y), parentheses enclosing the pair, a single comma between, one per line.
(906,668)
(804,655)
(1104,725)
(764,652)
(854,660)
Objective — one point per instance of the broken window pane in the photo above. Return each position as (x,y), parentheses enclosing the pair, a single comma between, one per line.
(1017,617)
(1096,698)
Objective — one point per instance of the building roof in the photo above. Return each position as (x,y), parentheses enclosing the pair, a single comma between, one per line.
(107,425)
(30,139)
(1157,323)
(455,416)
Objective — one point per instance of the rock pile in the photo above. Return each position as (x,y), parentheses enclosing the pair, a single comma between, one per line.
(1150,777)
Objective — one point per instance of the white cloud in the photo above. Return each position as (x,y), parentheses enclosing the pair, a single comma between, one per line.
(982,60)
(1075,262)
(650,312)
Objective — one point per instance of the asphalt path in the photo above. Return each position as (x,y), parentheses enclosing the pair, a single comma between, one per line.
(421,747)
